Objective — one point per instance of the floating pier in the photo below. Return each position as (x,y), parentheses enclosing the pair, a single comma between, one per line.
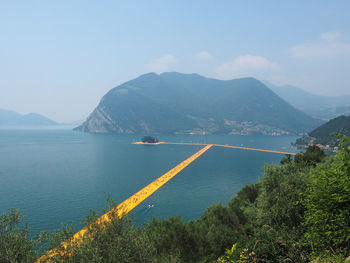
(134,200)
(123,208)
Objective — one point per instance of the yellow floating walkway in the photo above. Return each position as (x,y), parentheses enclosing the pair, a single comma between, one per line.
(253,149)
(218,145)
(126,206)
(133,201)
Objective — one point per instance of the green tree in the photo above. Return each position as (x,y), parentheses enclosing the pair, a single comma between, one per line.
(117,241)
(15,243)
(311,156)
(276,216)
(149,139)
(217,229)
(327,203)
(170,237)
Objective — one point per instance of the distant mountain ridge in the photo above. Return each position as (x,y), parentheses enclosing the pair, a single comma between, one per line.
(189,103)
(323,107)
(13,119)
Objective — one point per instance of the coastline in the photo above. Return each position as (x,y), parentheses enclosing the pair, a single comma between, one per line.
(148,143)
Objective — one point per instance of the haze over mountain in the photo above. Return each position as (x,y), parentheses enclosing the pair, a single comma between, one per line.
(14,119)
(189,103)
(323,107)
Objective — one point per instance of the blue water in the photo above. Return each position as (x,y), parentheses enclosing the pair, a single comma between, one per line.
(56,176)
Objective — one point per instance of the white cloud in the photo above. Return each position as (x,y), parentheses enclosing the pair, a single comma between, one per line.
(330,36)
(162,64)
(328,49)
(247,65)
(203,55)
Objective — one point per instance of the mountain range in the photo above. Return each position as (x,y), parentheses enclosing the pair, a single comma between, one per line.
(323,107)
(172,102)
(13,119)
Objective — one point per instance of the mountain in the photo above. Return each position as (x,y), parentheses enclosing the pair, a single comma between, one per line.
(189,103)
(11,119)
(323,134)
(323,107)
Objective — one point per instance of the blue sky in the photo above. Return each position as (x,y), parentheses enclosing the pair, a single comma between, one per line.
(58,58)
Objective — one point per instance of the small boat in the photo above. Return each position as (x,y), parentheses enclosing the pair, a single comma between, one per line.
(150,205)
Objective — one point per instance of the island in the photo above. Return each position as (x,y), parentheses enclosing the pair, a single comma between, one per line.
(149,139)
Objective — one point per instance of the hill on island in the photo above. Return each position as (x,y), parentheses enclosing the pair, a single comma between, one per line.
(323,107)
(13,119)
(324,134)
(189,103)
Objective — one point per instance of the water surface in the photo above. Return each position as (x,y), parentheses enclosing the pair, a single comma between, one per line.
(56,176)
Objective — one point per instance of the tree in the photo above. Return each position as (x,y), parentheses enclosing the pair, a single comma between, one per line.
(311,156)
(149,139)
(327,203)
(15,244)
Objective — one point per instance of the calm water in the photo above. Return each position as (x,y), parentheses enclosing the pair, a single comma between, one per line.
(56,176)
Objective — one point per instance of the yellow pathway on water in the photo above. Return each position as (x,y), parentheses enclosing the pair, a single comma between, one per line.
(218,145)
(133,201)
(126,206)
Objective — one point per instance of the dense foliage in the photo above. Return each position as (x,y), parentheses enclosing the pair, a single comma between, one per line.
(149,139)
(327,203)
(15,246)
(297,212)
(326,133)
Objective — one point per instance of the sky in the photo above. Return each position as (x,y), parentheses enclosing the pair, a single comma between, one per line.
(58,58)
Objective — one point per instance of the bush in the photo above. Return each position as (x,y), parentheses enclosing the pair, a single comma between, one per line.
(15,244)
(327,203)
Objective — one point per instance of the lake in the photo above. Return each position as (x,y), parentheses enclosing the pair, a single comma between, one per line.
(56,176)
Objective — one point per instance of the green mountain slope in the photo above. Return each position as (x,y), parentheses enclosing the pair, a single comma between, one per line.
(189,103)
(11,118)
(323,134)
(323,107)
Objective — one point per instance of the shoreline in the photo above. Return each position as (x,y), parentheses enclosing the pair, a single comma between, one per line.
(148,143)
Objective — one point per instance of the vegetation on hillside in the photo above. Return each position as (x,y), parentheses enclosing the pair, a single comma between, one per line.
(189,103)
(326,133)
(299,211)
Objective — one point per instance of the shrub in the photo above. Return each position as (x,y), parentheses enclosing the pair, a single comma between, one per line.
(327,203)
